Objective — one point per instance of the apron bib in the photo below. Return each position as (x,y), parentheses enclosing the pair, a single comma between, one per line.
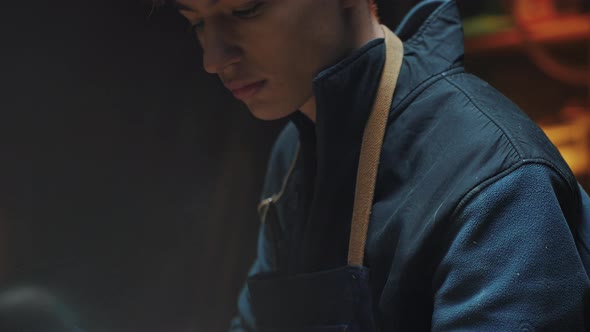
(335,300)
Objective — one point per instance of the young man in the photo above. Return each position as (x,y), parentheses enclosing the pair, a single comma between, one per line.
(476,222)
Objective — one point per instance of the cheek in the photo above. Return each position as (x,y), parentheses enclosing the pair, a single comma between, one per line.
(286,92)
(288,69)
(288,49)
(293,81)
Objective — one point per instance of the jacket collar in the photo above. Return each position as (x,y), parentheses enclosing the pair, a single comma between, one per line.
(433,43)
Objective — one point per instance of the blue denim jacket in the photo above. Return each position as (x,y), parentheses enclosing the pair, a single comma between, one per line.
(477,222)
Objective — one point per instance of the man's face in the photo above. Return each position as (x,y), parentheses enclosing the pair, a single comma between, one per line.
(267,52)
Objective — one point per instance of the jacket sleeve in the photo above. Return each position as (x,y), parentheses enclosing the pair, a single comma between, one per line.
(513,264)
(283,154)
(244,321)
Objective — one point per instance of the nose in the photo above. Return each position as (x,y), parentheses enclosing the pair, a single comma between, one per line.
(219,49)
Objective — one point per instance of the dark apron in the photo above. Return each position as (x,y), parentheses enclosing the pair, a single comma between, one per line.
(334,300)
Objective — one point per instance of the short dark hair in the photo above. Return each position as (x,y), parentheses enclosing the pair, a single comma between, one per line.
(372,4)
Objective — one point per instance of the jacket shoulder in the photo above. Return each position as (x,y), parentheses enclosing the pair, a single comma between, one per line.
(506,121)
(452,137)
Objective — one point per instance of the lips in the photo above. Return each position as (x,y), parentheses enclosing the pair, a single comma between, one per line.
(244,90)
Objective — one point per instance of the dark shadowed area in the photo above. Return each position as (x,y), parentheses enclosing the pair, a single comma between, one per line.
(129,179)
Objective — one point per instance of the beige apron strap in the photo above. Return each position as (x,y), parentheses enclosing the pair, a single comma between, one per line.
(371,148)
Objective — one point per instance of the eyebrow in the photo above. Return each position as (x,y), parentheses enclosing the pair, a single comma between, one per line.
(180,6)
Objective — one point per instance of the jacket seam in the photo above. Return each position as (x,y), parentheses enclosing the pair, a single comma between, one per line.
(397,109)
(495,177)
(479,108)
(516,147)
(468,197)
(479,187)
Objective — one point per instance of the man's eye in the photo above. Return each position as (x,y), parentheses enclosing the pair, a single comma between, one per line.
(249,12)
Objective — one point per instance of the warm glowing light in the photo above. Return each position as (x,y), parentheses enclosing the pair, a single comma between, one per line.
(572,138)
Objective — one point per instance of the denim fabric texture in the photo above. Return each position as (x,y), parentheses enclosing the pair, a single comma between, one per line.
(477,222)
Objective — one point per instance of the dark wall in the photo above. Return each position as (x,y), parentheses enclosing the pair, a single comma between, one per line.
(129,179)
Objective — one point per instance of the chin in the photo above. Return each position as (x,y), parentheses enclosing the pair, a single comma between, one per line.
(268,113)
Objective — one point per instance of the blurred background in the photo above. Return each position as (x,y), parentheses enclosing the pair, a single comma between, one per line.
(129,178)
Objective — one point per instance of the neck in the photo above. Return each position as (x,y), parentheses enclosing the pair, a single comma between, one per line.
(363,28)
